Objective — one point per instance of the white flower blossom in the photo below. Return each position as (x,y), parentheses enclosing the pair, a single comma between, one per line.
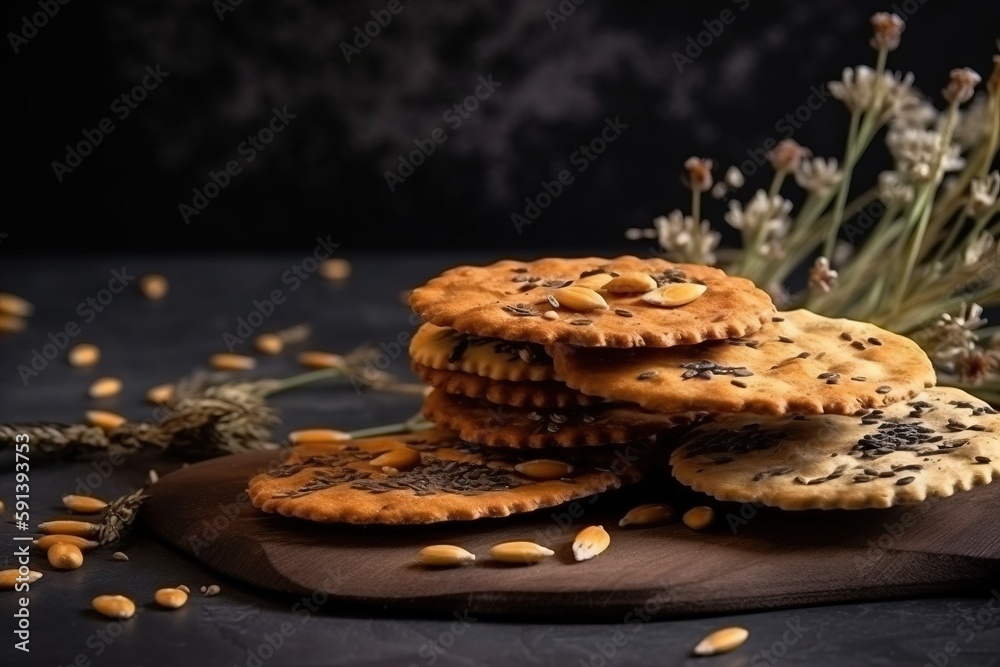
(894,189)
(685,239)
(818,176)
(734,178)
(915,151)
(858,85)
(974,123)
(769,213)
(822,278)
(920,115)
(983,194)
(980,249)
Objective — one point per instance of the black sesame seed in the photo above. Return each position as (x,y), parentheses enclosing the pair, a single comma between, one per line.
(777,319)
(874,341)
(621,312)
(845,336)
(741,385)
(859,378)
(858,345)
(884,389)
(804,355)
(983,459)
(904,481)
(785,339)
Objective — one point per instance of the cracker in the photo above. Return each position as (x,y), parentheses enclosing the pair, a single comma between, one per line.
(334,481)
(445,349)
(493,425)
(518,394)
(801,363)
(508,300)
(943,441)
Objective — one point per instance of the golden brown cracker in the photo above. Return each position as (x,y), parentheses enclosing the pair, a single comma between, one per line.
(503,392)
(452,481)
(445,349)
(494,425)
(510,299)
(943,441)
(799,362)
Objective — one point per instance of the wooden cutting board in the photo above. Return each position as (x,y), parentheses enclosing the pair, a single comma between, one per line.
(755,558)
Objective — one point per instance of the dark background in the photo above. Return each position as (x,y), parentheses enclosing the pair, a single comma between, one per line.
(325,172)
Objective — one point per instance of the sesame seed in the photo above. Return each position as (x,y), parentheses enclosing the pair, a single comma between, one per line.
(903,481)
(845,336)
(858,345)
(785,339)
(884,389)
(983,459)
(874,341)
(741,385)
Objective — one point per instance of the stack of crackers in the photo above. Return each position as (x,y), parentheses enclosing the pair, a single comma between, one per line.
(562,378)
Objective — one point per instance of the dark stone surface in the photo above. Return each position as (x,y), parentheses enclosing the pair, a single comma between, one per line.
(147,343)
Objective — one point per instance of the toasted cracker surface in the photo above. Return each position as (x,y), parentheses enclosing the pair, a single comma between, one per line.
(508,300)
(494,425)
(943,441)
(441,348)
(548,394)
(335,482)
(801,363)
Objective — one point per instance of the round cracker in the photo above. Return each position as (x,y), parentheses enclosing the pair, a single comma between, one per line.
(517,394)
(798,362)
(494,425)
(943,441)
(445,349)
(507,299)
(454,481)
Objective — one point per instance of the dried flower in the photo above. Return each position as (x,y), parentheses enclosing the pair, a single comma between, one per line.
(787,155)
(920,115)
(761,212)
(888,30)
(893,189)
(961,85)
(686,240)
(974,365)
(915,152)
(699,174)
(974,122)
(821,277)
(979,249)
(857,87)
(818,176)
(952,336)
(983,194)
(52,441)
(734,178)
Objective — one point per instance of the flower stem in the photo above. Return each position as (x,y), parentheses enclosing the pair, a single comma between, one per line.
(845,185)
(304,379)
(411,425)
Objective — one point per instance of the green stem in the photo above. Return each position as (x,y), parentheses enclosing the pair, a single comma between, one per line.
(411,425)
(845,183)
(922,206)
(696,205)
(304,379)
